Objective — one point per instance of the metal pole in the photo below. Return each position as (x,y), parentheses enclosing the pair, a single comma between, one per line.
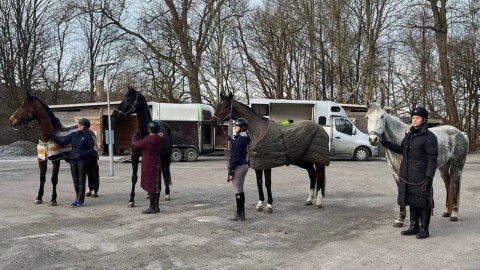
(109,131)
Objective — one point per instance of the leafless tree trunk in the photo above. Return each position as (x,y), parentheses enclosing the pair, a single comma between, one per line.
(441,34)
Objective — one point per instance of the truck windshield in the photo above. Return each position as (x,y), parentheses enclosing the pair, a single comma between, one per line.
(344,126)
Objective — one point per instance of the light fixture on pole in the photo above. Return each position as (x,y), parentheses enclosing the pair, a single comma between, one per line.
(109,133)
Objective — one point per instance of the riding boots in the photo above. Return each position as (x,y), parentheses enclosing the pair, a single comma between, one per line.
(240,213)
(424,223)
(151,208)
(414,226)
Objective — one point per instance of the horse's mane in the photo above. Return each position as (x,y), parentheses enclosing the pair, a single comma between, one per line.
(55,121)
(249,109)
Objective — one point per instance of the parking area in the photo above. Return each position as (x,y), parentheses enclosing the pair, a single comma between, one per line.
(353,230)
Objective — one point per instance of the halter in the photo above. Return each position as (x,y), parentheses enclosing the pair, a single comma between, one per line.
(227,117)
(375,133)
(132,109)
(29,117)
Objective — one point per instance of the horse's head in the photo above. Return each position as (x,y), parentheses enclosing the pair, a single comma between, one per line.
(25,113)
(223,112)
(375,122)
(127,106)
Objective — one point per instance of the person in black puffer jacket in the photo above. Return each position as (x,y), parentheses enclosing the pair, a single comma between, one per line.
(82,150)
(420,151)
(238,164)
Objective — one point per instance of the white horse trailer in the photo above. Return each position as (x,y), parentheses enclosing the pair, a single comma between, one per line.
(346,140)
(193,134)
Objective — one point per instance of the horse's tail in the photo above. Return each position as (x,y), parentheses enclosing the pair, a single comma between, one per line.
(167,154)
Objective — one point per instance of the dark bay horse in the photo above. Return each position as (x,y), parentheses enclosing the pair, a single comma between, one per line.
(33,108)
(135,103)
(229,109)
(452,154)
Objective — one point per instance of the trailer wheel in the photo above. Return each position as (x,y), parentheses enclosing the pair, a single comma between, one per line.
(190,154)
(177,154)
(361,154)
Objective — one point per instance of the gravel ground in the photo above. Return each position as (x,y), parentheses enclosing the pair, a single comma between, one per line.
(194,231)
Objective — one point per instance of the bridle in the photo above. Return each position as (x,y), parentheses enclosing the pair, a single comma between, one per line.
(227,117)
(131,110)
(29,117)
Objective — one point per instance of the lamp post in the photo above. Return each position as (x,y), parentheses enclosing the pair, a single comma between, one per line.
(109,136)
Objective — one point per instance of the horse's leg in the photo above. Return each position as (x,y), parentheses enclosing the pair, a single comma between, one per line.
(456,177)
(320,184)
(55,170)
(42,164)
(401,217)
(311,174)
(167,180)
(94,171)
(444,173)
(261,196)
(402,214)
(268,185)
(135,158)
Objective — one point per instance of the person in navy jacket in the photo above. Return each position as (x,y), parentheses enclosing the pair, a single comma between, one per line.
(238,164)
(80,155)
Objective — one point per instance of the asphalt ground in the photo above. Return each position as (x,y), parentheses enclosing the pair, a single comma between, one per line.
(353,230)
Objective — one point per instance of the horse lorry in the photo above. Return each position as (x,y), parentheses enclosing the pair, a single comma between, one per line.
(346,140)
(193,134)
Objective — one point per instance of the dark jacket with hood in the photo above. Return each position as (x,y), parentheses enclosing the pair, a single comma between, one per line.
(420,151)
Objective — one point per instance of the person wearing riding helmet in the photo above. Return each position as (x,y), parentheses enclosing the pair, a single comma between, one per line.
(151,147)
(238,164)
(419,148)
(82,151)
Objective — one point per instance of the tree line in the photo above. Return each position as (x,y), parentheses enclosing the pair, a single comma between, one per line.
(401,54)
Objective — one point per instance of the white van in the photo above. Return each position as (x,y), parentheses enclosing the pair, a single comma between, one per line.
(346,140)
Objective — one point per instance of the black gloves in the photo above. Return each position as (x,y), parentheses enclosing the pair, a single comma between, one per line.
(230,172)
(385,143)
(429,180)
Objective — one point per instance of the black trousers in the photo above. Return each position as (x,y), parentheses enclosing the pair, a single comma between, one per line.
(93,177)
(79,175)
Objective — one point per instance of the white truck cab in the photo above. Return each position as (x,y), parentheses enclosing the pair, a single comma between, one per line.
(346,140)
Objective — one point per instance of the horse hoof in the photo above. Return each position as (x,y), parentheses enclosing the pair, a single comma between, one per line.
(397,224)
(131,204)
(38,202)
(268,210)
(167,198)
(308,203)
(318,206)
(259,209)
(53,203)
(453,218)
(446,215)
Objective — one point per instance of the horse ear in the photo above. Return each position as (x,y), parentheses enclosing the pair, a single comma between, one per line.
(230,96)
(222,95)
(131,89)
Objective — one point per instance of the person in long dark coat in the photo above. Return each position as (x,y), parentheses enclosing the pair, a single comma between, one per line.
(151,147)
(419,148)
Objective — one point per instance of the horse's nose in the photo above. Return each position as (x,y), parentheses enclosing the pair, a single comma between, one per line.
(373,140)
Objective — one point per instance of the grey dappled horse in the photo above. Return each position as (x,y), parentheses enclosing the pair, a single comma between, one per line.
(452,153)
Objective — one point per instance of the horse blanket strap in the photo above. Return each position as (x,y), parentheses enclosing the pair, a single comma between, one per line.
(285,144)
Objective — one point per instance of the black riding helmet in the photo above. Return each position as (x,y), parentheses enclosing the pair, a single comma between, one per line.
(84,122)
(154,127)
(420,111)
(242,123)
